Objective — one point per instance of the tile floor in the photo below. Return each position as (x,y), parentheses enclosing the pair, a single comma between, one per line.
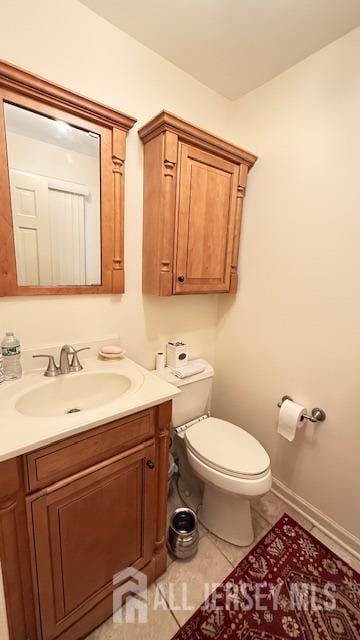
(213,562)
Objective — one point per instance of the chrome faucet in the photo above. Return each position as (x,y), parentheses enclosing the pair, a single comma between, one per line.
(66,351)
(66,365)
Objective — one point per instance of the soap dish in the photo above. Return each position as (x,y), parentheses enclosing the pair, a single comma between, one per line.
(112,356)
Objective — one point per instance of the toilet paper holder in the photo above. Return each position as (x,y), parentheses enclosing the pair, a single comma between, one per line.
(317,415)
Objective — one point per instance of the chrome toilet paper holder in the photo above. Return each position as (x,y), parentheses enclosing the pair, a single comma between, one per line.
(317,415)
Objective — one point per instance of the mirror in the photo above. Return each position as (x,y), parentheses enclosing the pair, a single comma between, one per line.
(54,173)
(62,168)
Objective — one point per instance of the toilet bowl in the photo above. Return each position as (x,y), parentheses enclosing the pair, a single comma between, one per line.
(234,467)
(231,465)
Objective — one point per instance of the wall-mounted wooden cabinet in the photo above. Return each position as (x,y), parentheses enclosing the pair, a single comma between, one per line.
(194,186)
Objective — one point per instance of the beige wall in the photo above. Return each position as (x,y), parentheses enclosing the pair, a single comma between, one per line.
(69,44)
(294,327)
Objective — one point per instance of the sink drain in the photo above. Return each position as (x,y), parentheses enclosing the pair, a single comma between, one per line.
(74,410)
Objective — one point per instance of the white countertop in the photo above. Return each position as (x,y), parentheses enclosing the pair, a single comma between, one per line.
(20,434)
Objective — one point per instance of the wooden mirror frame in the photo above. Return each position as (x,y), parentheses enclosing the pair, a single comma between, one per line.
(26,90)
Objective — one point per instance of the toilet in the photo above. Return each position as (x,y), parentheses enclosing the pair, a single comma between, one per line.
(218,461)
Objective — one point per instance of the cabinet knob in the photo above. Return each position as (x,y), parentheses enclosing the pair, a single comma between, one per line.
(181,279)
(150,464)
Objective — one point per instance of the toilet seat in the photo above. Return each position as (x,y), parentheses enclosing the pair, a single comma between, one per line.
(228,449)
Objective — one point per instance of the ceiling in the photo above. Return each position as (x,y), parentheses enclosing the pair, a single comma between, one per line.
(232,46)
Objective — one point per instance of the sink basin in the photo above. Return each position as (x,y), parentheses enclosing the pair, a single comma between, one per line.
(73,393)
(34,410)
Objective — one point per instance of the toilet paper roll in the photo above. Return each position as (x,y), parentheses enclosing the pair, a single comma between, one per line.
(290,419)
(160,361)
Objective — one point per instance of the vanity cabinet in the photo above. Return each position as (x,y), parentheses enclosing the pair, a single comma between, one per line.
(79,512)
(194,186)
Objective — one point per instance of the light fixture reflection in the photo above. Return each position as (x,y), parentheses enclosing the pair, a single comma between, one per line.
(62,126)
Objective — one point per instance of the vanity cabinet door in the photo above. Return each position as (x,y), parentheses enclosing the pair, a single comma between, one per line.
(86,529)
(206,221)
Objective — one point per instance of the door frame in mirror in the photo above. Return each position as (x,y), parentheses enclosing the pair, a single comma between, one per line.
(29,91)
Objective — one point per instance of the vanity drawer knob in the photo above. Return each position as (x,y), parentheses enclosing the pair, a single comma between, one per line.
(181,279)
(150,464)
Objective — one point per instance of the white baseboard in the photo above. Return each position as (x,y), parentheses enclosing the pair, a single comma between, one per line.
(340,535)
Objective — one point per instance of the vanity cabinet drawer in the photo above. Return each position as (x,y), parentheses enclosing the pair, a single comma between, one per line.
(57,461)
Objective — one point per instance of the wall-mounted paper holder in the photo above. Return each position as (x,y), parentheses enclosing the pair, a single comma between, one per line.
(317,415)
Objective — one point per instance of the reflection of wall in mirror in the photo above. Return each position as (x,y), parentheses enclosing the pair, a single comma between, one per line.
(44,159)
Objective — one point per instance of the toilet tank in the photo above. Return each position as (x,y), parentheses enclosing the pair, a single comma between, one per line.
(194,399)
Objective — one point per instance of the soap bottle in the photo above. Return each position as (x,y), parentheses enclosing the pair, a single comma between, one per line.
(10,349)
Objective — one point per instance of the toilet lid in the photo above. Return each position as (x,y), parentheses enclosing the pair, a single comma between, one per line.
(227,447)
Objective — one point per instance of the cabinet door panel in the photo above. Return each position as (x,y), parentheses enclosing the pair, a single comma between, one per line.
(87,530)
(206,216)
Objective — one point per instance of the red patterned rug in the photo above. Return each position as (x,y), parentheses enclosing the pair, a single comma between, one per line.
(289,586)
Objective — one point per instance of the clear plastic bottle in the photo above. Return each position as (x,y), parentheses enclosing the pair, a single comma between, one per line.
(10,349)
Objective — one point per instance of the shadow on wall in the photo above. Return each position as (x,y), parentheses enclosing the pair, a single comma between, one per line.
(226,301)
(182,316)
(179,313)
(288,456)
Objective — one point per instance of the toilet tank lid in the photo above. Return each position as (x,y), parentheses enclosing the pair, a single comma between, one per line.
(166,374)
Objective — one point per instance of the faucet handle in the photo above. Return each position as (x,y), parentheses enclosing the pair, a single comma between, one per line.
(75,362)
(52,370)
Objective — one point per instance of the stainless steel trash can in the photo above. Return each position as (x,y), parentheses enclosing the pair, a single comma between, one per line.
(183,534)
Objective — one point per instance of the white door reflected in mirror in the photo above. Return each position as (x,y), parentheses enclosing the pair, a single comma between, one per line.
(55,196)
